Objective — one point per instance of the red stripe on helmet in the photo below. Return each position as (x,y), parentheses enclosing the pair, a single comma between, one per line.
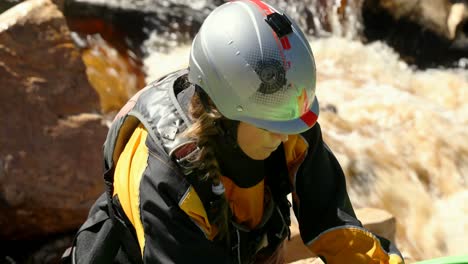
(263,6)
(285,43)
(309,118)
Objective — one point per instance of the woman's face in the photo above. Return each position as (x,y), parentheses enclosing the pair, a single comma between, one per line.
(258,143)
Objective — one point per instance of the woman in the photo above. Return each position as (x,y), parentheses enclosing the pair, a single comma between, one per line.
(199,164)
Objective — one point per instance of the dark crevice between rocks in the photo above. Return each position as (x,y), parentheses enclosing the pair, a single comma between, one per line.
(38,251)
(122,28)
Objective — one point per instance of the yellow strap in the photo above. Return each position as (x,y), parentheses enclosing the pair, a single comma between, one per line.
(192,205)
(128,173)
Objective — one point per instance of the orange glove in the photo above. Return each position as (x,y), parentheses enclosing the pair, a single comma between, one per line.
(351,244)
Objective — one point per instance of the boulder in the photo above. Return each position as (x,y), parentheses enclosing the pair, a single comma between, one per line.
(295,250)
(425,33)
(52,133)
(6,4)
(433,15)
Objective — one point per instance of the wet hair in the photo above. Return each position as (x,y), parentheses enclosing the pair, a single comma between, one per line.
(205,127)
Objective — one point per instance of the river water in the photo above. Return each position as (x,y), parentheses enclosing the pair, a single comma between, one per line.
(401,135)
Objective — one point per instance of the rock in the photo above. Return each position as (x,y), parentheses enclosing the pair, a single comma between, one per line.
(52,133)
(295,250)
(456,15)
(170,23)
(6,4)
(425,33)
(431,15)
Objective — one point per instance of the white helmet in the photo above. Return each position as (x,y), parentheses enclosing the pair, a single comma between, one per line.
(256,65)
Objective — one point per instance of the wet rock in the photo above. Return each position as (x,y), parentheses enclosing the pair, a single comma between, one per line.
(431,15)
(425,33)
(52,132)
(4,5)
(169,23)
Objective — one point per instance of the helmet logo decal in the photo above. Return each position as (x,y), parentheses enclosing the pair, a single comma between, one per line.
(302,101)
(272,75)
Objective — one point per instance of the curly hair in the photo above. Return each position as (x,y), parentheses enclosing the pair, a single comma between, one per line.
(203,130)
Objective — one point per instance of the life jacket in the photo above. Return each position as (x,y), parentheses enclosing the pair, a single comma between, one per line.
(107,236)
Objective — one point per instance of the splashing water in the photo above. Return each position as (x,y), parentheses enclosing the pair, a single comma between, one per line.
(401,137)
(399,133)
